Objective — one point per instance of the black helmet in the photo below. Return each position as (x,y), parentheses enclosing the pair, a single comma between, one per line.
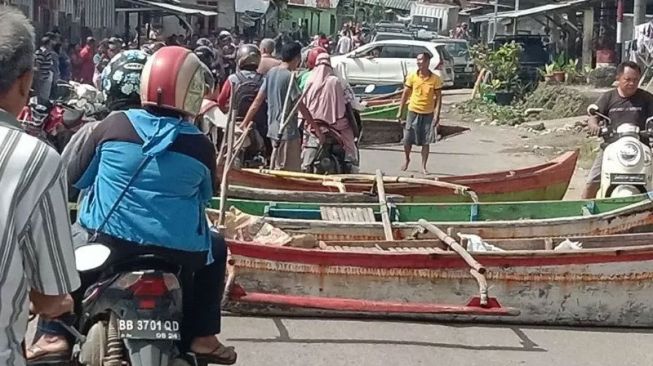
(121,79)
(248,55)
(204,42)
(206,55)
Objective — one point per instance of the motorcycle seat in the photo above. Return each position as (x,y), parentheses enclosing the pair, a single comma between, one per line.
(146,262)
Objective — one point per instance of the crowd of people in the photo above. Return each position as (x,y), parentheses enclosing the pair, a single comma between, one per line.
(165,99)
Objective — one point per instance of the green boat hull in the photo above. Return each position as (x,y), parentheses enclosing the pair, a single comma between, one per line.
(385,111)
(444,212)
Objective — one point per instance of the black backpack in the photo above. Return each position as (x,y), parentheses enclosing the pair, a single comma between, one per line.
(244,96)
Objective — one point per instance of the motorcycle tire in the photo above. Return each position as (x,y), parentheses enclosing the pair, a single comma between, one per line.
(94,349)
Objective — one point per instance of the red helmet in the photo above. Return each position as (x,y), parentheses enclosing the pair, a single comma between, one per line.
(173,78)
(312,57)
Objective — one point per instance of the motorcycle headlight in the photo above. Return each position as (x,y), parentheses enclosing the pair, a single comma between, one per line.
(629,154)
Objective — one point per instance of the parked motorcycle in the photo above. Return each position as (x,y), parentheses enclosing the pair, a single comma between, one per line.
(328,152)
(627,168)
(132,315)
(56,121)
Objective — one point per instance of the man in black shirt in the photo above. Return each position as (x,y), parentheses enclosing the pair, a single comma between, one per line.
(625,104)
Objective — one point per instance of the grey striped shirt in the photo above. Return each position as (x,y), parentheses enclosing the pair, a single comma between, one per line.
(36,250)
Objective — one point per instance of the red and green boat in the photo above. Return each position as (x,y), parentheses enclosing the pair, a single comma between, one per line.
(543,182)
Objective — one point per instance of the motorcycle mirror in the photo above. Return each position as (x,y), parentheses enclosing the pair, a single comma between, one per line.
(649,124)
(592,109)
(91,256)
(370,88)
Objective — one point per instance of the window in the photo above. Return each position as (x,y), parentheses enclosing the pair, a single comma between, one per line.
(395,51)
(418,50)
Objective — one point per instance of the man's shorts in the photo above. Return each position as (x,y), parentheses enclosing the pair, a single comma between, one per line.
(418,129)
(594,175)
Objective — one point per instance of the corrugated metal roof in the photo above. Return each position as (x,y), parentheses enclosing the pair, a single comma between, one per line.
(527,12)
(431,10)
(319,4)
(253,6)
(392,4)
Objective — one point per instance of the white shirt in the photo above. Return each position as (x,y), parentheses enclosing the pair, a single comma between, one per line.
(36,250)
(344,45)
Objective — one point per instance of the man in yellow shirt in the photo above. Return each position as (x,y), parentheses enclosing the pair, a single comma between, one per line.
(424,89)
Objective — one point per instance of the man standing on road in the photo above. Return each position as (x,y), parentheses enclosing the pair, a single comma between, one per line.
(44,65)
(625,104)
(87,65)
(267,60)
(344,44)
(36,247)
(278,83)
(424,89)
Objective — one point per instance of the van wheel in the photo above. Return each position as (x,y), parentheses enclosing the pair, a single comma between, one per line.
(93,350)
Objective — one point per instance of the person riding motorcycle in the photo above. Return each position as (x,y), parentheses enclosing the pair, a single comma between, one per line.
(226,52)
(625,104)
(150,173)
(120,84)
(325,100)
(244,85)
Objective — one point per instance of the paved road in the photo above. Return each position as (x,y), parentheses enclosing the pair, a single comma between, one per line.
(304,342)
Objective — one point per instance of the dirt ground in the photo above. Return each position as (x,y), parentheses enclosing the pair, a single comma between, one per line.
(545,139)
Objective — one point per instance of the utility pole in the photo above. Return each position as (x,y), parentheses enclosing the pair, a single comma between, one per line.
(515,21)
(619,50)
(496,22)
(639,15)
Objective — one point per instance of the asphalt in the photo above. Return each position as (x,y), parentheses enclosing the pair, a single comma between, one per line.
(324,342)
(313,342)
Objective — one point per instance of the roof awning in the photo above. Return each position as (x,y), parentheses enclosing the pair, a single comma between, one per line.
(537,10)
(316,4)
(252,6)
(174,8)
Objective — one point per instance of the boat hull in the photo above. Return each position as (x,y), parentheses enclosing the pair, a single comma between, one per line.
(634,218)
(547,181)
(593,287)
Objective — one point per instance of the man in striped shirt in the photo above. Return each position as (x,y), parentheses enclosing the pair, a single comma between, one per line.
(36,251)
(44,64)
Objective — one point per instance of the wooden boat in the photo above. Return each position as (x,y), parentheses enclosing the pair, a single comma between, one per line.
(269,205)
(378,89)
(382,111)
(607,283)
(548,181)
(385,131)
(343,224)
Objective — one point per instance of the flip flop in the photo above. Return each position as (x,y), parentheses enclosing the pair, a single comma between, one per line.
(43,357)
(221,355)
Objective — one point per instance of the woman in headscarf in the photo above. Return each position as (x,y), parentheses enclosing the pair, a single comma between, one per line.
(325,99)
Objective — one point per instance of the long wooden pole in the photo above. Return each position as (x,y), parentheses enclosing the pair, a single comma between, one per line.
(385,216)
(224,183)
(453,244)
(460,189)
(277,143)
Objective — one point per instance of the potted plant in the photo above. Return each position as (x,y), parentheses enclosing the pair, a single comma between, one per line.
(571,70)
(547,72)
(504,65)
(559,69)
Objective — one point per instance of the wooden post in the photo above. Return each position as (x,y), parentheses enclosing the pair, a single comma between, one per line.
(224,183)
(385,216)
(277,143)
(588,36)
(453,245)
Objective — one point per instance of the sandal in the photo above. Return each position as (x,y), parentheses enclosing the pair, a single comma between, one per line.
(221,355)
(42,357)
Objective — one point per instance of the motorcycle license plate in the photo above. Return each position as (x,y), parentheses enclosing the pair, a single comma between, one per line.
(627,178)
(149,329)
